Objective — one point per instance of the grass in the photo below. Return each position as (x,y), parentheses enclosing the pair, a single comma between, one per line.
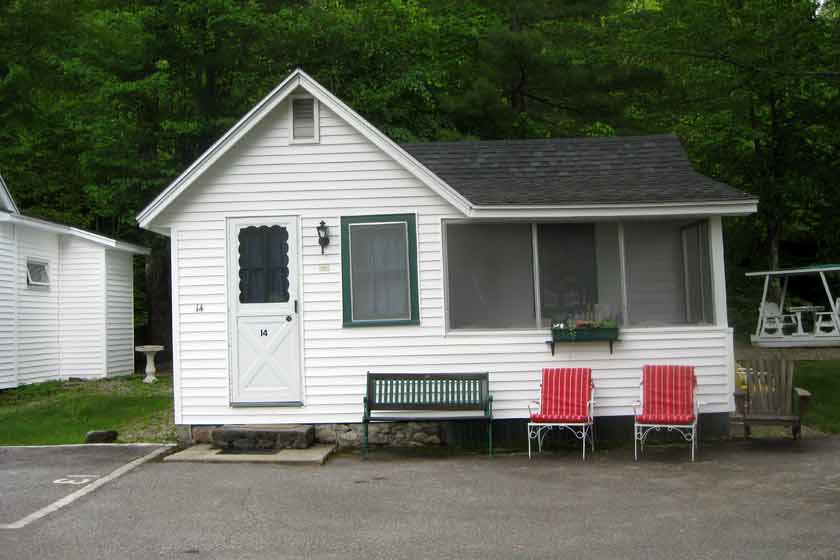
(822,379)
(63,411)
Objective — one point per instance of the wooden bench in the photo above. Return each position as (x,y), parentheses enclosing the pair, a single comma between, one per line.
(770,397)
(437,392)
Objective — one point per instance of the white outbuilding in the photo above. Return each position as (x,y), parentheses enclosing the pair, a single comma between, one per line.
(66,300)
(442,258)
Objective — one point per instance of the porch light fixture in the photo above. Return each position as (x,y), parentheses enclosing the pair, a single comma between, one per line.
(323,235)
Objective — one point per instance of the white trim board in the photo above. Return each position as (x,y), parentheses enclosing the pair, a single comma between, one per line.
(43,225)
(6,200)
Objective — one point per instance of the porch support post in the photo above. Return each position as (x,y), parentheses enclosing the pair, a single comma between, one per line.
(718,270)
(831,302)
(622,267)
(784,293)
(761,305)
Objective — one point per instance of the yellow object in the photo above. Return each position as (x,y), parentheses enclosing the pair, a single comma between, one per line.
(740,377)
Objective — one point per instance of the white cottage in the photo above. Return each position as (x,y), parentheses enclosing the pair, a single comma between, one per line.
(442,257)
(66,300)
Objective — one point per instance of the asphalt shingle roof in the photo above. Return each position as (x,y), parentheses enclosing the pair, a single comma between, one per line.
(572,171)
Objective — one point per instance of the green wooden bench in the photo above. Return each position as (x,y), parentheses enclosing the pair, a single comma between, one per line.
(436,392)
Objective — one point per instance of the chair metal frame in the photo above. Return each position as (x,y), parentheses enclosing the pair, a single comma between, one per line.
(581,430)
(689,432)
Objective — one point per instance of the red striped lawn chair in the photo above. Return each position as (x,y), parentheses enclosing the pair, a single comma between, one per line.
(566,401)
(668,402)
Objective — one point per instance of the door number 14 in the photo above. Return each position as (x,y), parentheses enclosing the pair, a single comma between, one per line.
(263,332)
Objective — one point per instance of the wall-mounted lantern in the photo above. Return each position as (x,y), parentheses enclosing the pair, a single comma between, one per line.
(323,235)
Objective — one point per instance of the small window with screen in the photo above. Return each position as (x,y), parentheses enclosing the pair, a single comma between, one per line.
(37,273)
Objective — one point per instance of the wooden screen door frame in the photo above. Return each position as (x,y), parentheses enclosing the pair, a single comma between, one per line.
(265,317)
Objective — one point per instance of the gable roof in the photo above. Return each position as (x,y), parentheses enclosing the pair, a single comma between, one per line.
(572,171)
(561,178)
(295,80)
(60,229)
(7,203)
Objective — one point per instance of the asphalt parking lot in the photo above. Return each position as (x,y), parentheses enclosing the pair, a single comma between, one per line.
(760,499)
(34,478)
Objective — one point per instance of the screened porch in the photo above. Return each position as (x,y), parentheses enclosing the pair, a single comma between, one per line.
(536,275)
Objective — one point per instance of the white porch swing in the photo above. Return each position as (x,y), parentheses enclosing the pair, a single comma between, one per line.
(778,327)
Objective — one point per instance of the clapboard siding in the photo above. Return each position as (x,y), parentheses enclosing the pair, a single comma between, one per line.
(346,175)
(82,309)
(8,300)
(38,357)
(119,293)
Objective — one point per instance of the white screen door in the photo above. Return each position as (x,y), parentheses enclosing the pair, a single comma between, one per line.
(264,326)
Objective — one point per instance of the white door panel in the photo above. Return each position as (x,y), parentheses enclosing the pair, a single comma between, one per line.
(263,321)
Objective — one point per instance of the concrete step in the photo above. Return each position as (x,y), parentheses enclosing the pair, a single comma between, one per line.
(262,438)
(203,453)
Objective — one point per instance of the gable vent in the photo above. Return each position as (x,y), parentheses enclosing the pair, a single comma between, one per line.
(303,119)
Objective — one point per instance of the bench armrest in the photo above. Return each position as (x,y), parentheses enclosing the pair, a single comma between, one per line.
(802,401)
(740,401)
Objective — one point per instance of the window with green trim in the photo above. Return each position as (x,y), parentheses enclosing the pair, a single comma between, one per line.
(379,270)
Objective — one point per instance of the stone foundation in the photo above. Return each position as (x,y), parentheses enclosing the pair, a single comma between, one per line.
(253,438)
(383,434)
(507,434)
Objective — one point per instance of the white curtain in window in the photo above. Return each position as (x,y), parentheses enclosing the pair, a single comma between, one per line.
(379,271)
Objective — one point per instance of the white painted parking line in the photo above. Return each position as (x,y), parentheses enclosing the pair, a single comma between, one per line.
(69,499)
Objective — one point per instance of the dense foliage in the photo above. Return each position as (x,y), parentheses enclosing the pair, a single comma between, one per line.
(103,102)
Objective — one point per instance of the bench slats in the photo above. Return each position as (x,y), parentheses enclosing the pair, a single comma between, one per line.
(408,391)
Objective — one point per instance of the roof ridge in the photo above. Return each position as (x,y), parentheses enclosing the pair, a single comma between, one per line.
(557,139)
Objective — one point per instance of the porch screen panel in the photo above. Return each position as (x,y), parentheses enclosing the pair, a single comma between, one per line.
(698,277)
(568,272)
(655,273)
(380,271)
(608,259)
(491,276)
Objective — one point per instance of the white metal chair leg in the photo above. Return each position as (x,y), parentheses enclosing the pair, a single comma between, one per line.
(693,442)
(635,442)
(583,443)
(529,442)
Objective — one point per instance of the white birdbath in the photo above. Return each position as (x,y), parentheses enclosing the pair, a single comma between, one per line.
(150,351)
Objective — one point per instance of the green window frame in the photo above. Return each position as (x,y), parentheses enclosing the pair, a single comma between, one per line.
(346,279)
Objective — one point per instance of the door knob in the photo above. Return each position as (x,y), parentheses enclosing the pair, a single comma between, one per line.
(288,318)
